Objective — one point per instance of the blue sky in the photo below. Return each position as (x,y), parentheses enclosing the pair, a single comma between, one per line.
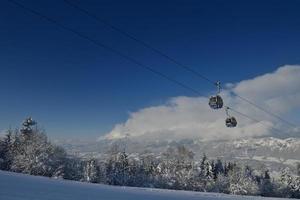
(76,89)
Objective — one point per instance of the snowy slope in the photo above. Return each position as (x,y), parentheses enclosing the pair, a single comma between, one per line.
(23,187)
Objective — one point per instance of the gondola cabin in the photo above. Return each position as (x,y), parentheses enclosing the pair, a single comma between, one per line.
(231,122)
(215,102)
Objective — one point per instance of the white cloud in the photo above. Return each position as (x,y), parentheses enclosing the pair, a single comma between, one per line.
(191,117)
(278,91)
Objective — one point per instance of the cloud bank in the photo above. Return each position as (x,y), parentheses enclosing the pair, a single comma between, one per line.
(190,117)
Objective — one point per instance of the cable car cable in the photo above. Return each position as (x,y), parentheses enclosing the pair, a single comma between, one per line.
(266,111)
(116,52)
(147,45)
(97,43)
(279,132)
(138,40)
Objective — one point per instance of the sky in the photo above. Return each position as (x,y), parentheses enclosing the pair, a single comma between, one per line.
(74,88)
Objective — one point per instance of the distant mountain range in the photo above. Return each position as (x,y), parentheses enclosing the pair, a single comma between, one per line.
(268,152)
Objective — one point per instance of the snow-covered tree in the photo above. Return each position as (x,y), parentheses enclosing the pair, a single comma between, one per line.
(7,149)
(73,168)
(29,151)
(295,187)
(117,169)
(266,186)
(205,174)
(91,171)
(147,169)
(289,184)
(218,168)
(240,182)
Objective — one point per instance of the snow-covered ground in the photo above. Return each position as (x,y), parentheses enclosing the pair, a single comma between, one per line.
(24,187)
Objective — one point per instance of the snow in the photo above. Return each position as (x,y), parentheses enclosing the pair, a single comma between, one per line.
(15,186)
(271,142)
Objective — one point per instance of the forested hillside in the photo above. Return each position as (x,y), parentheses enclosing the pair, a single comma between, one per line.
(30,152)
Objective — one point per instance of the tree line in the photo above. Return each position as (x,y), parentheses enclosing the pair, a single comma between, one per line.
(29,151)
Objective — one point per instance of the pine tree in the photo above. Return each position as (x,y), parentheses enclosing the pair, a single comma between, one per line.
(218,168)
(91,171)
(73,168)
(266,186)
(148,165)
(295,187)
(117,168)
(203,165)
(241,183)
(7,150)
(29,151)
